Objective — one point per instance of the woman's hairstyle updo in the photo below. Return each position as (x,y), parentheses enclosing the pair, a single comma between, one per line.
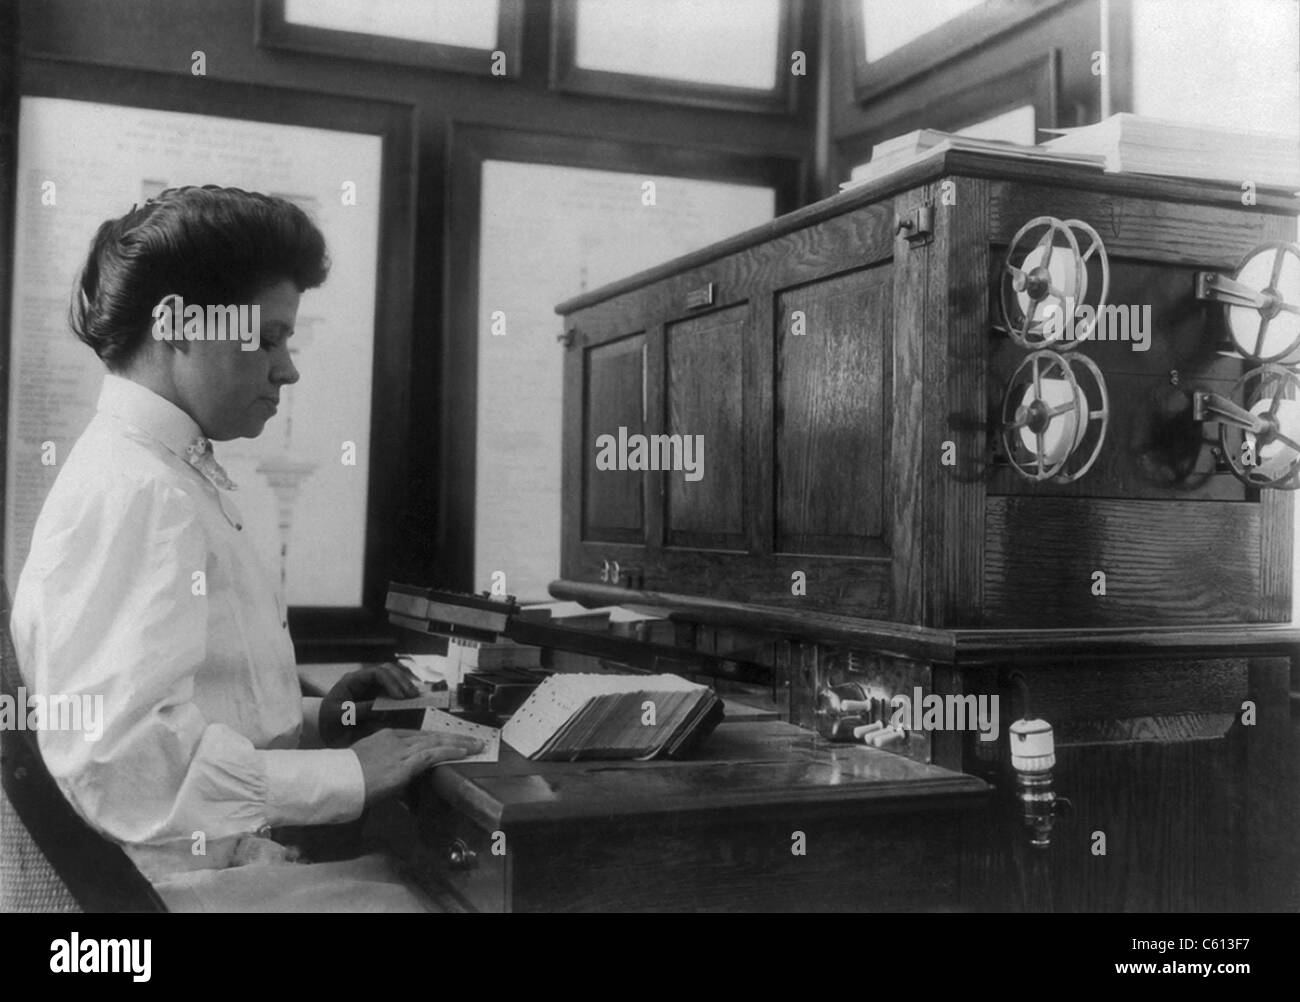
(211,246)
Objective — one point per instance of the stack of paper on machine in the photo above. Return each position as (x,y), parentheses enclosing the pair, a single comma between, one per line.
(1136,144)
(572,717)
(914,147)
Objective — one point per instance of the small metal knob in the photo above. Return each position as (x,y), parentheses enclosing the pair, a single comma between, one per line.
(460,856)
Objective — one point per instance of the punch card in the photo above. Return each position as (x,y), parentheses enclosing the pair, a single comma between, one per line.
(439,722)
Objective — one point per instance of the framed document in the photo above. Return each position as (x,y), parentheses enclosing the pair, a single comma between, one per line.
(319,486)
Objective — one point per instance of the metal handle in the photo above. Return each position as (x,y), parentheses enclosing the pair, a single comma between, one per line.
(699,298)
(460,856)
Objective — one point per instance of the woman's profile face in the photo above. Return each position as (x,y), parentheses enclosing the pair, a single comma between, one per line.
(232,392)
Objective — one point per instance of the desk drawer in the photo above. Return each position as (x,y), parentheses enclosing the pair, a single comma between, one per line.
(459,859)
(897,862)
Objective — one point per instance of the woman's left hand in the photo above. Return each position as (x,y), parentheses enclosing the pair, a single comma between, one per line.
(345,712)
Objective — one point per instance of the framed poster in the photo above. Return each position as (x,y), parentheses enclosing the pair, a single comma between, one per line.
(316,486)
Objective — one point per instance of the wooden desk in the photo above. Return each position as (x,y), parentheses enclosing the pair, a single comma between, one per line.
(720,832)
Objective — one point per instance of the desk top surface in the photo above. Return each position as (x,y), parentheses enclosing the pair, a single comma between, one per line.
(743,767)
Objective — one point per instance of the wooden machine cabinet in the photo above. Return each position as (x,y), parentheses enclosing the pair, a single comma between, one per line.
(898,492)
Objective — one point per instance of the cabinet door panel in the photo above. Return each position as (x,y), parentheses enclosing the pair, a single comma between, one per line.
(831,414)
(613,504)
(704,400)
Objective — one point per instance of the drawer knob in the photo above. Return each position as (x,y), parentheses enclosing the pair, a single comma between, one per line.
(460,856)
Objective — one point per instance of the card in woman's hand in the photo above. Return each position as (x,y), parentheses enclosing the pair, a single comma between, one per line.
(438,722)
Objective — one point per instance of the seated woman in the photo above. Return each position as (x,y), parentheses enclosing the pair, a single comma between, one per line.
(141,585)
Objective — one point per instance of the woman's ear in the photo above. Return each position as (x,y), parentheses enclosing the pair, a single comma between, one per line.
(169,321)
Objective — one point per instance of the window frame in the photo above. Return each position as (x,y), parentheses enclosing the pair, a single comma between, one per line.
(470,145)
(274,32)
(1037,79)
(950,41)
(568,77)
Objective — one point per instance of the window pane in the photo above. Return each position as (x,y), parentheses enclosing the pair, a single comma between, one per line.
(727,42)
(471,24)
(548,233)
(1239,75)
(888,24)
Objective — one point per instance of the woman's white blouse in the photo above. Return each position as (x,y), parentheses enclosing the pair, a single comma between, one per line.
(141,588)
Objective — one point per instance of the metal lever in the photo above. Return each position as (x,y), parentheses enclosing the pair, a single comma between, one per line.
(1212,286)
(1208,406)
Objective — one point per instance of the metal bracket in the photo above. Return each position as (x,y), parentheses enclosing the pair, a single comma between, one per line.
(919,227)
(1216,288)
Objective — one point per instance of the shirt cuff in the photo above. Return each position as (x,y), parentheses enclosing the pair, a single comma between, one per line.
(313,787)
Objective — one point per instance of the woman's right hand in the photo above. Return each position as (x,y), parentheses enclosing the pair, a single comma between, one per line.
(392,758)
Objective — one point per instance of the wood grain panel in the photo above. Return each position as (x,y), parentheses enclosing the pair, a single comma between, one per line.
(897,863)
(1085,690)
(954,393)
(911,291)
(1276,553)
(705,399)
(1165,562)
(860,587)
(829,439)
(1155,230)
(613,502)
(1173,841)
(795,253)
(1269,796)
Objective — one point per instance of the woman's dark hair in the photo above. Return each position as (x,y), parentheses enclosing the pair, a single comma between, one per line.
(209,245)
